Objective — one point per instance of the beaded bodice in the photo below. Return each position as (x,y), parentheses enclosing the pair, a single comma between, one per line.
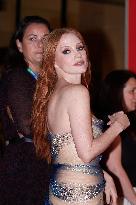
(65,140)
(72,179)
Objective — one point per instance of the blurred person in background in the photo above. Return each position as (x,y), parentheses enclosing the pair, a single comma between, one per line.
(23,176)
(118,92)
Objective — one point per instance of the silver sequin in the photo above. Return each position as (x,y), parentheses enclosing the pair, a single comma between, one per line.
(75,192)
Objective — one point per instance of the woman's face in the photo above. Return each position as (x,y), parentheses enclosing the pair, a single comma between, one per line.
(129,93)
(32,43)
(71,55)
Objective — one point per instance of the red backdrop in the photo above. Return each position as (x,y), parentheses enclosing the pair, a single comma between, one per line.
(132,35)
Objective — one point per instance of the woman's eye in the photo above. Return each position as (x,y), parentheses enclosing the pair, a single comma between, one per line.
(32,39)
(132,91)
(67,51)
(45,37)
(80,48)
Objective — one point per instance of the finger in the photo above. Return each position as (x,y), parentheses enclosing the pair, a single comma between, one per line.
(107,197)
(121,112)
(109,123)
(114,199)
(109,116)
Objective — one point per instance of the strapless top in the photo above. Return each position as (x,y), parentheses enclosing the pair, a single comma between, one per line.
(72,180)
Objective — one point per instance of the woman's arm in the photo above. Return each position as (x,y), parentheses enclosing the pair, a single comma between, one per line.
(20,90)
(78,103)
(110,190)
(115,166)
(9,129)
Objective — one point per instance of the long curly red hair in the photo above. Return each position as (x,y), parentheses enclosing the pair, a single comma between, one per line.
(44,88)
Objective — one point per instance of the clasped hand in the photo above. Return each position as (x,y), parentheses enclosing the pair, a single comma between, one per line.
(120,118)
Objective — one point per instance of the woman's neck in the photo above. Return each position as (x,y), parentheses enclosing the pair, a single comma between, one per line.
(35,69)
(72,79)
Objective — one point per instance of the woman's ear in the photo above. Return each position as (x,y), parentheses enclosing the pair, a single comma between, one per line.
(19,46)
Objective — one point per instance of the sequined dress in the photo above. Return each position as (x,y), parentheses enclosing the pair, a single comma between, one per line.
(73,181)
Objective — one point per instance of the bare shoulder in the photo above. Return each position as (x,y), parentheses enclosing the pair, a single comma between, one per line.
(76,89)
(76,92)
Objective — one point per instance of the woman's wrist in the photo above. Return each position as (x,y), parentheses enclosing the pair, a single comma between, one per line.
(116,128)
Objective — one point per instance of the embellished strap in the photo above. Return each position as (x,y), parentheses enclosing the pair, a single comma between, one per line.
(90,169)
(74,192)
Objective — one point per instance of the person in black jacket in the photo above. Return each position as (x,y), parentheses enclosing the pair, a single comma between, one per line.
(23,176)
(118,92)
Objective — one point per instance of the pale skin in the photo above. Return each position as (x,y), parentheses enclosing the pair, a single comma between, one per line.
(71,101)
(129,94)
(110,190)
(118,170)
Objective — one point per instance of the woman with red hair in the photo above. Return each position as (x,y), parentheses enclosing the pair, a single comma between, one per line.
(65,131)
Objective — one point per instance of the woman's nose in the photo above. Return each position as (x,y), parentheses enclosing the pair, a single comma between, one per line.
(135,95)
(78,54)
(39,43)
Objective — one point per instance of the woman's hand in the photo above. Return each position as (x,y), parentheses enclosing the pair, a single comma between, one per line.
(120,118)
(110,190)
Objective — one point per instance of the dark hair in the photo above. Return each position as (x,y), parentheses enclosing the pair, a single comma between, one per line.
(110,95)
(14,58)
